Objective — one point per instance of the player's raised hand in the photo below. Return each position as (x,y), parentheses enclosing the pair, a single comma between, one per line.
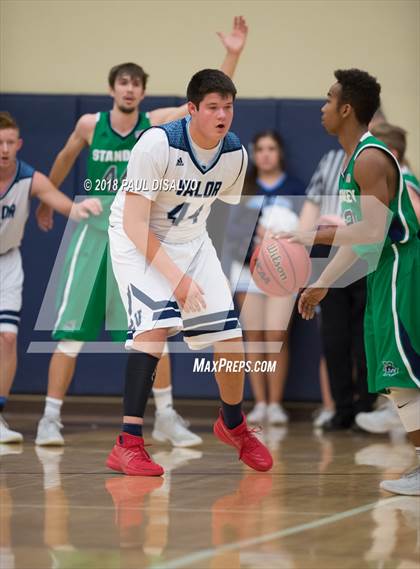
(235,41)
(86,208)
(190,295)
(45,217)
(308,301)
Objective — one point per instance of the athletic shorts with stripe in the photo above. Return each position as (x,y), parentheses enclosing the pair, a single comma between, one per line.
(88,298)
(148,298)
(11,283)
(392,316)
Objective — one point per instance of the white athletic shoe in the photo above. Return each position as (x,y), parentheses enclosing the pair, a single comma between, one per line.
(48,433)
(276,415)
(408,484)
(383,420)
(7,435)
(169,426)
(322,417)
(258,413)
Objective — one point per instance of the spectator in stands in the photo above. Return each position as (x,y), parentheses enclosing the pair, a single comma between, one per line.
(269,193)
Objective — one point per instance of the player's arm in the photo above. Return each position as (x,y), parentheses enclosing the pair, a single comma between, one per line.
(137,227)
(64,161)
(370,172)
(43,189)
(308,215)
(148,162)
(234,44)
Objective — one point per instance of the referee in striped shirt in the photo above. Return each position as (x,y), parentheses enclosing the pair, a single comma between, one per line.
(342,310)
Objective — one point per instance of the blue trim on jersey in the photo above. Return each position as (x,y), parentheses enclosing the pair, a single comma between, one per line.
(230,143)
(23,172)
(175,134)
(219,327)
(215,158)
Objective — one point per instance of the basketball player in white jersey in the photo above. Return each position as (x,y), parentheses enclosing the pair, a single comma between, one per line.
(19,182)
(127,87)
(167,270)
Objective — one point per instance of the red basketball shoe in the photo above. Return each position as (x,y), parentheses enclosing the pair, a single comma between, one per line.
(130,457)
(251,451)
(128,494)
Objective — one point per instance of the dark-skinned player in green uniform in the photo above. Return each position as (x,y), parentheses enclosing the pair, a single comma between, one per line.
(382,228)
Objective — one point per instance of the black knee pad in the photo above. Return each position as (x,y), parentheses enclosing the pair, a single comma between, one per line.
(139,377)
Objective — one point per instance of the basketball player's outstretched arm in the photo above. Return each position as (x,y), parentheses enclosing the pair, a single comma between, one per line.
(63,163)
(372,171)
(47,193)
(234,44)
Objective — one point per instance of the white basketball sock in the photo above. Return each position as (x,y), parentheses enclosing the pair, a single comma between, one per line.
(53,408)
(163,399)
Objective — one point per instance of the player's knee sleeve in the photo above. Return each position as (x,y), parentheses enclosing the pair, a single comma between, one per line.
(139,377)
(407,403)
(70,348)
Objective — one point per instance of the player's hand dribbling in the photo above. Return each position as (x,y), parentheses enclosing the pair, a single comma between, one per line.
(308,301)
(189,295)
(235,41)
(45,217)
(86,208)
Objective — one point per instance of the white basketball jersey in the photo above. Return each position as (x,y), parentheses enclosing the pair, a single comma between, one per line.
(164,168)
(15,207)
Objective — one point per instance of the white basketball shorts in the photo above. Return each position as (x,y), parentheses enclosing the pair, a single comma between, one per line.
(149,301)
(11,283)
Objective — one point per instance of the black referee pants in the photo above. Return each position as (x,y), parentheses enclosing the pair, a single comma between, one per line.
(342,313)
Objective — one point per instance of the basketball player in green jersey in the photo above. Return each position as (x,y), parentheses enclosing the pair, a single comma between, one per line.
(392,332)
(88,292)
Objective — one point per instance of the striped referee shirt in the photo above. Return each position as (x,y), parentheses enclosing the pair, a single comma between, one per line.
(323,187)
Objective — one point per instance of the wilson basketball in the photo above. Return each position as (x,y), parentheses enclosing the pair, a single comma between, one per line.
(280,268)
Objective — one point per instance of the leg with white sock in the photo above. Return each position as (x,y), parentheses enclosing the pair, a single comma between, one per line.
(407,403)
(8,358)
(60,375)
(169,425)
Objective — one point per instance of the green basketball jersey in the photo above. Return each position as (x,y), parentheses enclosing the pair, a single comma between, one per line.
(403,224)
(107,163)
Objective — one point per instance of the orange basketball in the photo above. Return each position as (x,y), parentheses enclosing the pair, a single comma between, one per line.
(280,268)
